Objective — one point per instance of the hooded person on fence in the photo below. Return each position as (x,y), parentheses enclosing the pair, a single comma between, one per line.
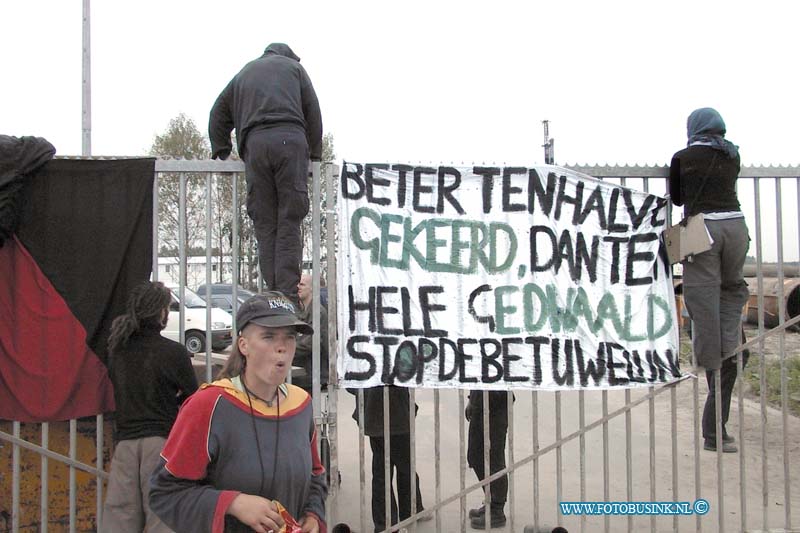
(702,178)
(273,107)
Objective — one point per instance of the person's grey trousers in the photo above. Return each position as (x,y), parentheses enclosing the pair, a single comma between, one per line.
(126,509)
(715,292)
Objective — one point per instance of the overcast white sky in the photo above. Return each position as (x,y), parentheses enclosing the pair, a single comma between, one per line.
(421,81)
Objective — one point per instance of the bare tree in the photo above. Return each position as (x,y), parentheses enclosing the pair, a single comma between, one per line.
(181,140)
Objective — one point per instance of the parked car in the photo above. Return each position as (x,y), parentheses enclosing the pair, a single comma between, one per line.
(195,323)
(222,295)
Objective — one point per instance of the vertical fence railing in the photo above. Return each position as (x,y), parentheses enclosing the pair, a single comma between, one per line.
(771,486)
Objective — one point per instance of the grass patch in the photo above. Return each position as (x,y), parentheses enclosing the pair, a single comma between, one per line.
(752,376)
(772,370)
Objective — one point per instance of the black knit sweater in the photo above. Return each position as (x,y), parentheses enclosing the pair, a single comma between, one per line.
(689,168)
(152,376)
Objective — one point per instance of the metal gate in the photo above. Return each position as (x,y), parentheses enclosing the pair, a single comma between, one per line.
(605,446)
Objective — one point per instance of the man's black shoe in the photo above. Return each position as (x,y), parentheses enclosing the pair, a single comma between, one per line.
(727,447)
(498,520)
(478,511)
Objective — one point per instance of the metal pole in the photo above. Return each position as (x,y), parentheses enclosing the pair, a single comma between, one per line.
(628,456)
(155,227)
(762,366)
(606,474)
(73,488)
(535,439)
(651,402)
(387,467)
(209,214)
(235,249)
(412,440)
(696,435)
(86,144)
(182,255)
(462,461)
(362,476)
(673,399)
(487,443)
(717,377)
(45,494)
(511,502)
(437,447)
(582,449)
(331,172)
(98,479)
(15,479)
(787,486)
(316,245)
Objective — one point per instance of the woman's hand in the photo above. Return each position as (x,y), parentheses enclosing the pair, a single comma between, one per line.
(309,524)
(260,514)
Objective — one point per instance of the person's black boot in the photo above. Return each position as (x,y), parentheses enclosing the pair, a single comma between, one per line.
(498,519)
(478,511)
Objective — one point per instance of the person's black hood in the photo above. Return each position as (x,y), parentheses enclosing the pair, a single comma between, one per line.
(281,49)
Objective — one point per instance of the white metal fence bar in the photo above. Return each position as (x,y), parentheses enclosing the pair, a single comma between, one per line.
(99,437)
(73,454)
(787,486)
(44,496)
(511,501)
(762,365)
(462,463)
(15,479)
(209,219)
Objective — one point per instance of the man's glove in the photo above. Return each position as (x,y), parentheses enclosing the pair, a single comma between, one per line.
(468,412)
(221,153)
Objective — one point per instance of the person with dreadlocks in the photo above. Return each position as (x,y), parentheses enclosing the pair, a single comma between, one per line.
(152,376)
(243,454)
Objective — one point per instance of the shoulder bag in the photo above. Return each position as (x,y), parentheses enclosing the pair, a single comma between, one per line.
(689,236)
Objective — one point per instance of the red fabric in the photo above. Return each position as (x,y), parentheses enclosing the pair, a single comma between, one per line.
(224,501)
(186,449)
(317,468)
(47,371)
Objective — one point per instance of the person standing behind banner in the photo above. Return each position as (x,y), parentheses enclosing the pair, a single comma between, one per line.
(152,376)
(243,452)
(702,178)
(498,429)
(273,107)
(399,454)
(303,355)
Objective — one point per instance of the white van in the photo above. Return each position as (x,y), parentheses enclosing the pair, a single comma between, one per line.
(195,323)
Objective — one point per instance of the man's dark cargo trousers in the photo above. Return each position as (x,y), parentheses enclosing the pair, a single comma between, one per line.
(276,167)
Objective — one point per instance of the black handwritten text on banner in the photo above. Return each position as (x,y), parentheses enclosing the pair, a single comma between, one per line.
(501,277)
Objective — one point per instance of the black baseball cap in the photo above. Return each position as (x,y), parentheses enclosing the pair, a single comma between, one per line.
(272,310)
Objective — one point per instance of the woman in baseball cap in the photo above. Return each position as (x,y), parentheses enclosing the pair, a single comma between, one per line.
(208,478)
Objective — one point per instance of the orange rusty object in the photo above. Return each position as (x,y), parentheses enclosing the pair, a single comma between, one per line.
(771,288)
(58,475)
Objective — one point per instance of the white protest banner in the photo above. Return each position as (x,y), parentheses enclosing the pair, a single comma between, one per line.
(501,277)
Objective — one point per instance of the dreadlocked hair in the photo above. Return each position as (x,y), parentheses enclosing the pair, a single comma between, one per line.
(145,306)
